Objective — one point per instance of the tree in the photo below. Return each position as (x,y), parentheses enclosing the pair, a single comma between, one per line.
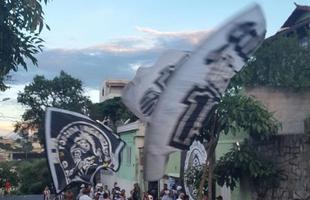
(277,55)
(112,110)
(27,177)
(26,147)
(280,62)
(8,174)
(63,91)
(21,22)
(7,147)
(235,113)
(34,176)
(244,162)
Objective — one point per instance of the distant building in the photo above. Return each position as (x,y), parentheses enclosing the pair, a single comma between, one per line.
(4,156)
(111,89)
(289,106)
(297,23)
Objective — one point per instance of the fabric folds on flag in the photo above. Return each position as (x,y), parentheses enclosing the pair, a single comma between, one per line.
(185,96)
(78,147)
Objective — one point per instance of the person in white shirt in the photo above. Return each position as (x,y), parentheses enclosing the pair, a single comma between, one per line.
(99,194)
(46,193)
(85,195)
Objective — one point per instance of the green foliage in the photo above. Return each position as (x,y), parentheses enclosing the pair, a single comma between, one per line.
(243,161)
(7,173)
(192,178)
(63,91)
(237,112)
(280,62)
(21,22)
(34,176)
(7,147)
(29,177)
(112,110)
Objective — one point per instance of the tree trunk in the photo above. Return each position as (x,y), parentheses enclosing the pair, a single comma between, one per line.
(307,125)
(202,181)
(210,176)
(208,168)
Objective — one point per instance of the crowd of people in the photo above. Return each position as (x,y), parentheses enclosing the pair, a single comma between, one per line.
(175,193)
(101,192)
(98,193)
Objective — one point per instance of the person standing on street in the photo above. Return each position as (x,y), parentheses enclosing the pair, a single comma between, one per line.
(46,193)
(85,195)
(106,190)
(99,194)
(136,192)
(69,195)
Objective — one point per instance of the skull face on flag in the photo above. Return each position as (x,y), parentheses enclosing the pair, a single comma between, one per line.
(195,158)
(177,95)
(78,147)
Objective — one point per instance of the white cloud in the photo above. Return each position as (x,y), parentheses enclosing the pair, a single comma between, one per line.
(10,110)
(125,45)
(117,59)
(192,36)
(93,94)
(135,66)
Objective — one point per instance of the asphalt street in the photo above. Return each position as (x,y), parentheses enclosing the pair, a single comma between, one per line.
(22,197)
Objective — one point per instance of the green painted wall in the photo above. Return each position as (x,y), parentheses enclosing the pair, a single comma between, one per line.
(174,164)
(128,165)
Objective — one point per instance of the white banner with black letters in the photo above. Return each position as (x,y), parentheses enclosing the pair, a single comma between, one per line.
(78,147)
(192,89)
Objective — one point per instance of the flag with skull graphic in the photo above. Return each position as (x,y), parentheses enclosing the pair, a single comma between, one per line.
(78,147)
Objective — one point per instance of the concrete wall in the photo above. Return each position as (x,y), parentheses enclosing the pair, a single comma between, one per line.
(289,107)
(291,153)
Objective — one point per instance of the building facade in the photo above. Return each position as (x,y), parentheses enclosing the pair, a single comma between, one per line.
(297,23)
(111,88)
(131,168)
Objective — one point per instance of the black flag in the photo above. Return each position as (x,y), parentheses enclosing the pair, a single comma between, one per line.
(78,147)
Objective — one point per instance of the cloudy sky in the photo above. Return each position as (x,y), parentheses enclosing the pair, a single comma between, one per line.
(96,40)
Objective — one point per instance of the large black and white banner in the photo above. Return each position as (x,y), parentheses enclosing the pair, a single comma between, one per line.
(142,93)
(176,96)
(77,147)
